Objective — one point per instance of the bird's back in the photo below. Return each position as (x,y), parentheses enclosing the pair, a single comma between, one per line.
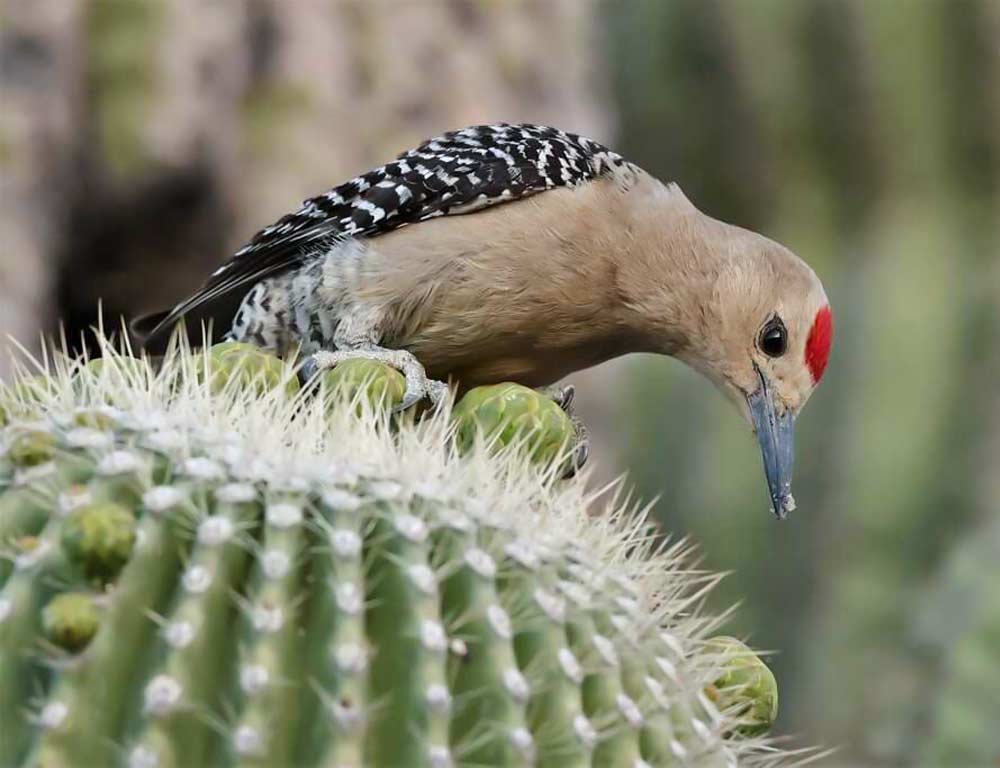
(457,173)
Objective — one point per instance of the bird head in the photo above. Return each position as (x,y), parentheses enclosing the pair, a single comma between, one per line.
(765,337)
(742,309)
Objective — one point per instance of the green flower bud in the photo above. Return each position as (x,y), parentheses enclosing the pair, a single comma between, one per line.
(250,367)
(32,448)
(510,413)
(745,686)
(93,418)
(70,620)
(383,386)
(99,538)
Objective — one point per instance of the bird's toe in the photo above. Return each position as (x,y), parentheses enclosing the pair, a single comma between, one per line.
(561,396)
(410,399)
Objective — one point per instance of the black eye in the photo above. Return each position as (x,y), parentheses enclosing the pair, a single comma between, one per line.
(773,338)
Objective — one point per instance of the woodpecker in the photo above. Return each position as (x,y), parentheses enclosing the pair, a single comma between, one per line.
(524,253)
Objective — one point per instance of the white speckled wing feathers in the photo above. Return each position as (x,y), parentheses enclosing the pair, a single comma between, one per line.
(456,173)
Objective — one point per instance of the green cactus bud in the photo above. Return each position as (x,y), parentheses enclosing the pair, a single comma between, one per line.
(71,619)
(94,418)
(504,414)
(99,538)
(382,386)
(31,448)
(284,583)
(247,366)
(745,686)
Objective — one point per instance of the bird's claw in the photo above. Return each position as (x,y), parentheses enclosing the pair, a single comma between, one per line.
(409,400)
(307,371)
(418,386)
(581,452)
(435,391)
(563,397)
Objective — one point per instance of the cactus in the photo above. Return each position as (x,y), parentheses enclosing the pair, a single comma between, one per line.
(220,570)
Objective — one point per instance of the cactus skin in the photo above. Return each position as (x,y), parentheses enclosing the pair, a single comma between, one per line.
(505,414)
(253,579)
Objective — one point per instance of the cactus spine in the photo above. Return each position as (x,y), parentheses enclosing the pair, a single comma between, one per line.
(207,567)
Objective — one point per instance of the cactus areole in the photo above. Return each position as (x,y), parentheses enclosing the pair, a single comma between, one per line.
(206,570)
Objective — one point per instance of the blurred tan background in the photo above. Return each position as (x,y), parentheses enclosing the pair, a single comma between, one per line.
(142,141)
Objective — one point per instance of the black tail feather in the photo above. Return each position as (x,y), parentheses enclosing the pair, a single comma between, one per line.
(143,326)
(202,324)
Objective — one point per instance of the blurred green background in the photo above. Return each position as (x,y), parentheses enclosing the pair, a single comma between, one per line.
(866,136)
(141,142)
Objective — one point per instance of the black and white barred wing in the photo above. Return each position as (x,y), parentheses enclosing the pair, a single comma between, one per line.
(456,173)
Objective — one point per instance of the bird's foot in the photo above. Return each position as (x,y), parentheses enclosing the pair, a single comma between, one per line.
(418,385)
(563,397)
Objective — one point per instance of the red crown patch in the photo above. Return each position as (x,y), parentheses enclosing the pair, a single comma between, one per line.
(819,343)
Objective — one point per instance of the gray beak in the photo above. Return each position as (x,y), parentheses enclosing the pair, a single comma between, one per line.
(776,435)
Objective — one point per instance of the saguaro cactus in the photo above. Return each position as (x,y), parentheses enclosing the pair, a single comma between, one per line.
(220,570)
